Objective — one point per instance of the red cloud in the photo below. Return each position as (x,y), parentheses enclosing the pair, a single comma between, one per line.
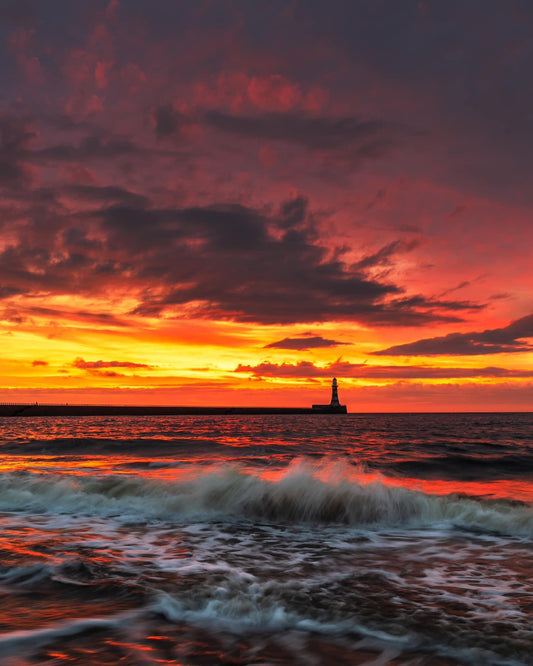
(97,365)
(273,93)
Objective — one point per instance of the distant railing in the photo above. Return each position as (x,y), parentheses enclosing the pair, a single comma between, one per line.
(42,404)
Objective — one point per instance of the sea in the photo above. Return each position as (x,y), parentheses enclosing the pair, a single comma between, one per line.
(292,539)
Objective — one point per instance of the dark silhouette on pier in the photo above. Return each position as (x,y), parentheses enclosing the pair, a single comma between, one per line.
(334,406)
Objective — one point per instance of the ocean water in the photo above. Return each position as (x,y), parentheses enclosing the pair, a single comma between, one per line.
(359,539)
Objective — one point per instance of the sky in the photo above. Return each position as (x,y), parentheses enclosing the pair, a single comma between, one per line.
(231,202)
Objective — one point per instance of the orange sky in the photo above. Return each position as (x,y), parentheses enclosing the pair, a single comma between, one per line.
(198,208)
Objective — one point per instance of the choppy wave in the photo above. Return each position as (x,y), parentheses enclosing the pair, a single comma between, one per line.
(304,494)
(467,466)
(239,616)
(18,642)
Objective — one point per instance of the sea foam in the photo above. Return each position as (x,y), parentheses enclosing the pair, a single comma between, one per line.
(304,494)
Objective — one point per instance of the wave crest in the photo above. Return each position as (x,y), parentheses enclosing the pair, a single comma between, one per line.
(302,495)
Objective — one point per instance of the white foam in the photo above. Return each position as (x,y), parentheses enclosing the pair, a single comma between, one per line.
(301,496)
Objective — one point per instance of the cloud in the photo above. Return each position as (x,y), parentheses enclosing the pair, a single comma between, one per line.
(8,291)
(306,369)
(301,344)
(97,365)
(301,369)
(380,196)
(223,261)
(108,373)
(383,257)
(38,362)
(166,120)
(16,135)
(353,136)
(21,314)
(361,138)
(91,147)
(237,262)
(107,194)
(506,340)
(461,285)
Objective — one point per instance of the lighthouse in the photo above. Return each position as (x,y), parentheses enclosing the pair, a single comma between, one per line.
(334,394)
(334,406)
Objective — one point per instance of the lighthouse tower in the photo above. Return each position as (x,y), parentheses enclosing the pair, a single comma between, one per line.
(334,406)
(334,394)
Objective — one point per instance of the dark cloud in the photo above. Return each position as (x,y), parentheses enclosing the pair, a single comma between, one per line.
(97,365)
(107,194)
(461,285)
(437,303)
(293,212)
(89,148)
(53,255)
(380,195)
(224,261)
(16,135)
(8,291)
(383,257)
(434,65)
(458,210)
(12,315)
(302,344)
(306,369)
(38,362)
(236,262)
(101,318)
(81,142)
(166,120)
(506,340)
(357,137)
(22,313)
(361,138)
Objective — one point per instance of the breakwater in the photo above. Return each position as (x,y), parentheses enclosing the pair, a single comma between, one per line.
(34,409)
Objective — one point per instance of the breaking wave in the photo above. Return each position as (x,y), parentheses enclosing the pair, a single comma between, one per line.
(303,495)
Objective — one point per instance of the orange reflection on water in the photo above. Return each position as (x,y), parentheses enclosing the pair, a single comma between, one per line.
(509,489)
(498,489)
(171,469)
(128,465)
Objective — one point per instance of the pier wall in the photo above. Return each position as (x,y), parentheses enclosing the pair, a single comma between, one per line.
(14,410)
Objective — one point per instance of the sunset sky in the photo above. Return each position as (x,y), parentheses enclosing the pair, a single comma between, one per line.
(232,202)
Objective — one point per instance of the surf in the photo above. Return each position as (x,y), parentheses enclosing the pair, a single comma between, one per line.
(304,493)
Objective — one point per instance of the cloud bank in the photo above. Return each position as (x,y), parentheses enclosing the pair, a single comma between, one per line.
(306,369)
(510,339)
(304,343)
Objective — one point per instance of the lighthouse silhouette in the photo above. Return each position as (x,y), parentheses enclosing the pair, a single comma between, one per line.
(334,407)
(334,394)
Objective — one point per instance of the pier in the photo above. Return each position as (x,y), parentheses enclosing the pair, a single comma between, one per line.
(36,409)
